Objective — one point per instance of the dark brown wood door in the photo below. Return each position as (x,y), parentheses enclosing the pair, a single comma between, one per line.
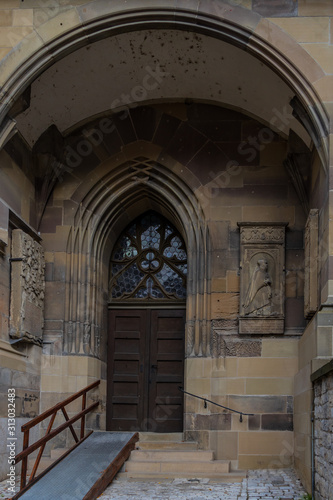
(146,367)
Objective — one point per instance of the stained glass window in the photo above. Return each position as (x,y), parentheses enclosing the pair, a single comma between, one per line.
(149,261)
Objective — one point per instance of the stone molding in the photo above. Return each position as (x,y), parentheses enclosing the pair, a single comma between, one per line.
(260,233)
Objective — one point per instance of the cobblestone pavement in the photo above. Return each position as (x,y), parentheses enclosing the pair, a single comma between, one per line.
(259,485)
(263,484)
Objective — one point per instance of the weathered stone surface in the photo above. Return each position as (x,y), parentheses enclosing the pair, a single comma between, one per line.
(323,423)
(225,326)
(258,404)
(277,422)
(311,264)
(201,437)
(4,214)
(26,403)
(245,348)
(214,421)
(261,326)
(28,285)
(254,422)
(278,8)
(225,305)
(226,346)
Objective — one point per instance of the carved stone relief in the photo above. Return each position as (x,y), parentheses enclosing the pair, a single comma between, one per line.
(262,278)
(4,214)
(311,264)
(228,345)
(27,288)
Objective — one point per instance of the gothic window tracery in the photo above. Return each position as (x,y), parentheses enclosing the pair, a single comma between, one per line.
(149,261)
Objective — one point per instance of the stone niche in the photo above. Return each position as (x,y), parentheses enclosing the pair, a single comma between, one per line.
(262,284)
(27,288)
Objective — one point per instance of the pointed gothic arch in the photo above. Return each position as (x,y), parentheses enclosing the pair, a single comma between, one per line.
(101,216)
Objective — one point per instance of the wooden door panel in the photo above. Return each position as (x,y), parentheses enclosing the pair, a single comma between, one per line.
(171,347)
(166,353)
(126,367)
(126,377)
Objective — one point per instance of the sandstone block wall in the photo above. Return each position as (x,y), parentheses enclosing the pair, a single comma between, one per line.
(323,431)
(258,381)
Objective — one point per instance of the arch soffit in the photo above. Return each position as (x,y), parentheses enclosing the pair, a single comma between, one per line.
(236,25)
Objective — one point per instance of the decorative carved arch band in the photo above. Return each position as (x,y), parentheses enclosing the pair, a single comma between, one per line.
(115,198)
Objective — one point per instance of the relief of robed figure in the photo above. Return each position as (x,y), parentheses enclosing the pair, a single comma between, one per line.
(258,299)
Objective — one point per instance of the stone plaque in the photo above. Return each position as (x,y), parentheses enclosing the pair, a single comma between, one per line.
(311,264)
(262,278)
(27,288)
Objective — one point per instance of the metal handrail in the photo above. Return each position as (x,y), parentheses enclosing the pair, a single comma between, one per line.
(205,400)
(52,412)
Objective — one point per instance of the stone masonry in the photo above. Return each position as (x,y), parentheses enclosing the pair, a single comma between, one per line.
(323,415)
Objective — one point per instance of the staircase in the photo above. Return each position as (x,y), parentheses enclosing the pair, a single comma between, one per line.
(159,456)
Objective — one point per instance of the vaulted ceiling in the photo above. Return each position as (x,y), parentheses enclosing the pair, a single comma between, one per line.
(155,66)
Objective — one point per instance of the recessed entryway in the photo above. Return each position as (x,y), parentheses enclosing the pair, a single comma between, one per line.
(146,367)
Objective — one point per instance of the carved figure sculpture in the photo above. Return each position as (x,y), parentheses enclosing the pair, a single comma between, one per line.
(259,294)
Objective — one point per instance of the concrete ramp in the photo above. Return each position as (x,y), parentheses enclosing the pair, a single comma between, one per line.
(87,470)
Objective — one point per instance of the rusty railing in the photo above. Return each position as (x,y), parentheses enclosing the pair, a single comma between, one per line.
(52,412)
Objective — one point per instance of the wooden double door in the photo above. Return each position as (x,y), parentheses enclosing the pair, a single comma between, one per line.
(145,370)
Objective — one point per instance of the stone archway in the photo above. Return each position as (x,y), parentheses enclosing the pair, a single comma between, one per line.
(101,215)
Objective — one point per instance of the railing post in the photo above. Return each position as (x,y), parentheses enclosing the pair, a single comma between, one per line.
(25,459)
(84,401)
(41,449)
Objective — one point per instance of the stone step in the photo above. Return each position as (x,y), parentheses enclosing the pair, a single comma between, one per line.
(44,463)
(177,468)
(160,436)
(58,452)
(168,456)
(230,477)
(167,445)
(47,460)
(171,455)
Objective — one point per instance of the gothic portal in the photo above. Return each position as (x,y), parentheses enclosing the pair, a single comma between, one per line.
(146,343)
